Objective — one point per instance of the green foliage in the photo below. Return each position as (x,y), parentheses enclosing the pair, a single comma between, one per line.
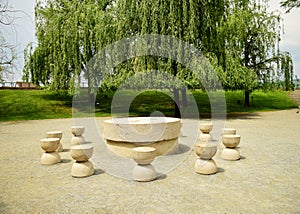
(69,34)
(240,38)
(290,4)
(179,19)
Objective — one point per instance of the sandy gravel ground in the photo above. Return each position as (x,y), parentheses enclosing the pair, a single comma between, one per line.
(265,180)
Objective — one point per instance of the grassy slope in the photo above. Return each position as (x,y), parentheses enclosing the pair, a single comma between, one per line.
(35,104)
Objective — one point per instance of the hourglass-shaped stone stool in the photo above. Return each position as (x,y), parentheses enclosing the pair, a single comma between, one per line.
(56,134)
(77,132)
(144,171)
(205,136)
(231,142)
(50,145)
(205,164)
(227,131)
(82,167)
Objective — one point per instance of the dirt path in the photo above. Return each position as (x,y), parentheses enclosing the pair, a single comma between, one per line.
(265,180)
(295,95)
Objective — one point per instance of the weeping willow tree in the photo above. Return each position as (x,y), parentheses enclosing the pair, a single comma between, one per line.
(69,34)
(290,4)
(188,21)
(252,36)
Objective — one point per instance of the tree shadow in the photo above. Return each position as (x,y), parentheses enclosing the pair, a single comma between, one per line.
(63,97)
(243,115)
(181,149)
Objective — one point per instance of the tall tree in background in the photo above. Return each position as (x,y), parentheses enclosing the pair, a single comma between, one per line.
(191,21)
(7,51)
(69,34)
(239,37)
(290,4)
(252,38)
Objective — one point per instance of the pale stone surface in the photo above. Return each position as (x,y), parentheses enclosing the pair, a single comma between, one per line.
(206,167)
(230,131)
(124,149)
(142,129)
(266,179)
(231,141)
(60,147)
(144,173)
(54,134)
(205,128)
(77,130)
(226,131)
(50,158)
(143,155)
(205,138)
(77,140)
(82,152)
(49,144)
(230,154)
(82,169)
(205,151)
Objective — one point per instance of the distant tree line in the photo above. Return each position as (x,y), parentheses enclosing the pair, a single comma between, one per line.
(239,37)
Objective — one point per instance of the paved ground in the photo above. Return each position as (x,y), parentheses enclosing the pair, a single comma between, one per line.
(265,180)
(295,95)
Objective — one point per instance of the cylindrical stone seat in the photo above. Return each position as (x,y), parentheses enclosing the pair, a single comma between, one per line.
(56,134)
(143,171)
(82,167)
(50,145)
(77,138)
(231,142)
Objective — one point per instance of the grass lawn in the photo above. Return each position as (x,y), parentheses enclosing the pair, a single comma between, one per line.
(34,104)
(42,104)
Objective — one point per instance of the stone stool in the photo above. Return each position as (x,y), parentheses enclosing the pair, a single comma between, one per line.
(205,136)
(204,163)
(227,131)
(56,134)
(205,128)
(230,152)
(143,156)
(82,167)
(77,132)
(50,145)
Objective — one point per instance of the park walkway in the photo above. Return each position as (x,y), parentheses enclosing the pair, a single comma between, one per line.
(265,180)
(295,95)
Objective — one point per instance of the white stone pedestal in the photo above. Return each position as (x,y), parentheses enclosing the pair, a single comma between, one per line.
(143,171)
(56,134)
(50,145)
(77,132)
(230,152)
(227,131)
(82,167)
(205,164)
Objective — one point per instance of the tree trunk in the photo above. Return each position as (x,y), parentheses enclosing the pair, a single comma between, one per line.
(90,95)
(247,99)
(176,93)
(183,98)
(176,103)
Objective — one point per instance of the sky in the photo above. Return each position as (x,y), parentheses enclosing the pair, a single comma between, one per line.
(22,32)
